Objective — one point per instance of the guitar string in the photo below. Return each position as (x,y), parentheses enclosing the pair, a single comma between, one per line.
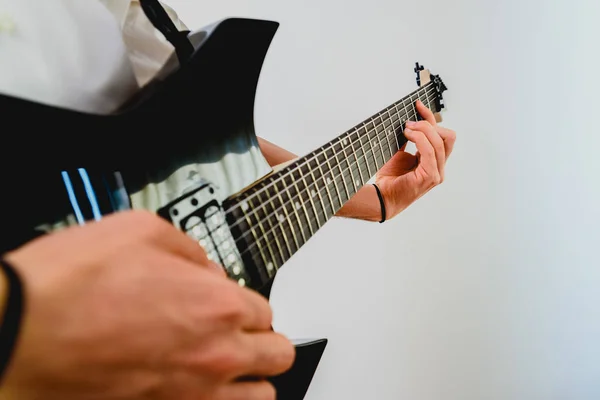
(429,88)
(322,152)
(327,159)
(350,168)
(262,237)
(323,214)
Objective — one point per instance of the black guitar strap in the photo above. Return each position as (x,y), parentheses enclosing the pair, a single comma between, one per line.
(161,21)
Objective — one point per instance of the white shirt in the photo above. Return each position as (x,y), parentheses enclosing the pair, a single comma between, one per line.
(86,55)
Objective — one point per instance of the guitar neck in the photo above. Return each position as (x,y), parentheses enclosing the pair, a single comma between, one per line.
(272,220)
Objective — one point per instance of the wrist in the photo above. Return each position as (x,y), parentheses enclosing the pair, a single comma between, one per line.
(364,205)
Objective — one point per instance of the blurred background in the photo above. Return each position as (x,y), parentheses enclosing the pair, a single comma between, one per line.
(489,286)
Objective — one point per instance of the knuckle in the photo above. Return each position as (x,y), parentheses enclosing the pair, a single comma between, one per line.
(224,360)
(452,135)
(232,309)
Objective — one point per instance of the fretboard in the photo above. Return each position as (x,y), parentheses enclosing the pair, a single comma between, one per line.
(273,219)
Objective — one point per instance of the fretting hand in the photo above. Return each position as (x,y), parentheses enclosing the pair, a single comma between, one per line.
(407,177)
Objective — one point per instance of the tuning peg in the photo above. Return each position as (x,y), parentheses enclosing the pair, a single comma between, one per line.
(418,69)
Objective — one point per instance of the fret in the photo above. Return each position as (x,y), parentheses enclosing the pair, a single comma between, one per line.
(246,206)
(282,186)
(269,232)
(300,199)
(314,193)
(346,159)
(358,179)
(280,220)
(305,194)
(330,155)
(341,168)
(382,152)
(316,186)
(411,112)
(363,135)
(392,130)
(358,145)
(378,131)
(243,227)
(328,179)
(372,154)
(270,262)
(271,204)
(386,132)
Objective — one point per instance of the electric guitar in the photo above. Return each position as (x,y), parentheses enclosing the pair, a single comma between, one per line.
(185,148)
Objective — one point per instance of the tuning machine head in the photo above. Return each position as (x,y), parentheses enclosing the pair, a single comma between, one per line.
(418,69)
(424,77)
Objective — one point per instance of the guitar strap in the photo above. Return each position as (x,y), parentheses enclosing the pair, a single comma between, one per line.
(161,21)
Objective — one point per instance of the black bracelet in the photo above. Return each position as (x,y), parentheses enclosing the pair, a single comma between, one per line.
(13,315)
(381,203)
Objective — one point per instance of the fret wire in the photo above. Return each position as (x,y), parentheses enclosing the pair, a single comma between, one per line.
(347,157)
(351,133)
(287,218)
(339,165)
(301,201)
(362,179)
(362,146)
(372,152)
(274,226)
(393,129)
(355,163)
(280,248)
(318,213)
(310,198)
(326,184)
(318,192)
(388,139)
(383,155)
(270,249)
(295,212)
(381,152)
(333,175)
(256,238)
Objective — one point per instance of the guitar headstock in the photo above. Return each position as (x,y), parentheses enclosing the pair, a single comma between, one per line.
(424,76)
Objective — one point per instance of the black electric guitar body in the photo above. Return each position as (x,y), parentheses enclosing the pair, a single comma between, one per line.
(185,148)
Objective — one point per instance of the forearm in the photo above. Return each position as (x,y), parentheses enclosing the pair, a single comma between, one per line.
(363,205)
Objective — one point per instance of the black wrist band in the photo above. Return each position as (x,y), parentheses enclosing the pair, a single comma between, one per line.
(13,313)
(381,203)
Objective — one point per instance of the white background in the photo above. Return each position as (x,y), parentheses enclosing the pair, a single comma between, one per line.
(488,287)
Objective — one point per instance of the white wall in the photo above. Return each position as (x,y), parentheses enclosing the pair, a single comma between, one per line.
(489,287)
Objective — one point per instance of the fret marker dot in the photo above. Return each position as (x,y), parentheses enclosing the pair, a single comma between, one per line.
(231,258)
(357,182)
(298,206)
(328,180)
(225,245)
(313,193)
(280,217)
(242,282)
(270,267)
(202,242)
(245,206)
(345,142)
(236,270)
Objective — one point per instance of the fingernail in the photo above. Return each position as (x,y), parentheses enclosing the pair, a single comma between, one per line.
(410,123)
(408,131)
